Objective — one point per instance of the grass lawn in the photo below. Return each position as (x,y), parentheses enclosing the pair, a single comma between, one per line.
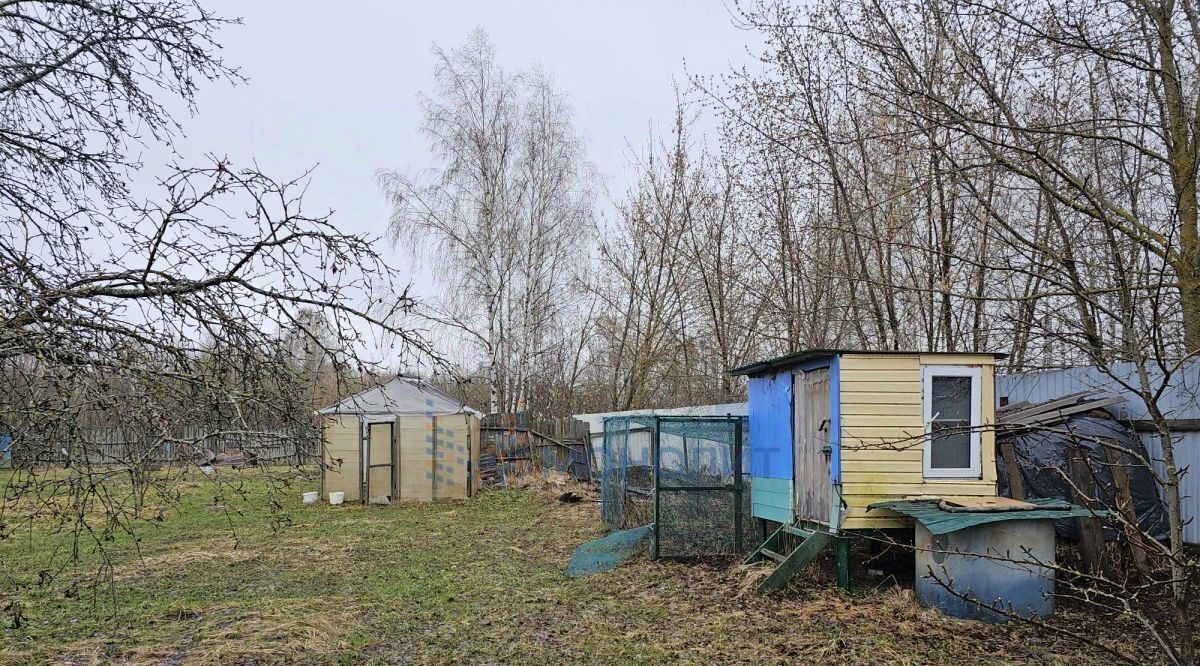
(475,581)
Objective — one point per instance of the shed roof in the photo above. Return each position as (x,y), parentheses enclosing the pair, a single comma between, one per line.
(790,360)
(940,521)
(402,396)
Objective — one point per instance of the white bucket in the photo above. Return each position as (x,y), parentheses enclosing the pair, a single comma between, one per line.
(336,497)
(309,498)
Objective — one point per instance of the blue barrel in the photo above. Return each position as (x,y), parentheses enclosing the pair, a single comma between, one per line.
(961,564)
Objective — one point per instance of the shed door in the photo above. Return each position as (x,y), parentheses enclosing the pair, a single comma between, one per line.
(379,457)
(811,459)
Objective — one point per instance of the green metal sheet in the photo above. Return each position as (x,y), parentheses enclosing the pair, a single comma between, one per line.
(771,499)
(938,521)
(605,553)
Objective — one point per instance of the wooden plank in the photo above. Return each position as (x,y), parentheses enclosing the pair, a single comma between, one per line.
(1058,416)
(988,503)
(860,363)
(891,485)
(888,484)
(883,432)
(1176,425)
(881,449)
(1060,407)
(1013,414)
(870,395)
(773,555)
(769,543)
(843,563)
(1016,483)
(901,422)
(862,385)
(1014,406)
(1091,539)
(797,532)
(1133,537)
(959,358)
(910,410)
(796,560)
(857,518)
(883,465)
(811,464)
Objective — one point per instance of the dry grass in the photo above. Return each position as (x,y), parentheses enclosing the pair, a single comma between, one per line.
(462,582)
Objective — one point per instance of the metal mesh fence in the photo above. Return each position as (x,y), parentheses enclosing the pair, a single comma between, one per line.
(688,476)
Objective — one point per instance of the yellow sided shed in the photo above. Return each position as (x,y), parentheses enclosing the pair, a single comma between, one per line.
(400,441)
(834,431)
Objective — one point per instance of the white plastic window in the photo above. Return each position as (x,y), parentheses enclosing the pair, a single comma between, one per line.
(950,400)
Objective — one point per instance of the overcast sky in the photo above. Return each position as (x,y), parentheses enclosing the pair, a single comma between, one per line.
(335,84)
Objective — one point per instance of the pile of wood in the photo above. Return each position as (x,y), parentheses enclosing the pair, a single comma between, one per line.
(1081,468)
(233,459)
(514,446)
(1026,414)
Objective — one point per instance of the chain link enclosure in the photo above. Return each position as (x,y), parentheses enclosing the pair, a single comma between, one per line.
(685,475)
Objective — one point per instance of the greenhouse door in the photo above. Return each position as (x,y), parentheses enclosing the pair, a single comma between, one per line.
(812,454)
(380,489)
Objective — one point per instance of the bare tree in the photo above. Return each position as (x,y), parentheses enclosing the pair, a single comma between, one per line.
(137,334)
(507,212)
(1015,175)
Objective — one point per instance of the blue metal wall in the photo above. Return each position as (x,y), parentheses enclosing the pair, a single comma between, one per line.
(1179,401)
(772,438)
(771,447)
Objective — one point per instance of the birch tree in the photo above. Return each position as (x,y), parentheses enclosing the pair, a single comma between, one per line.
(506,212)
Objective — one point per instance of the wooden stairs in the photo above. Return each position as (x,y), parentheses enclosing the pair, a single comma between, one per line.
(790,547)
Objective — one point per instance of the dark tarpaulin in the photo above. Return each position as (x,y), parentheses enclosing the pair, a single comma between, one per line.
(1043,456)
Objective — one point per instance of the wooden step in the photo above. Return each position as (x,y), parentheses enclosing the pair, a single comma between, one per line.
(773,555)
(769,544)
(796,531)
(796,560)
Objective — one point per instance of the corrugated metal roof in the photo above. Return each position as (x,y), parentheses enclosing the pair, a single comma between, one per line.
(939,521)
(596,420)
(812,354)
(1178,400)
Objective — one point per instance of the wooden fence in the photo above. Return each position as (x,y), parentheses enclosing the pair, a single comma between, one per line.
(194,444)
(514,445)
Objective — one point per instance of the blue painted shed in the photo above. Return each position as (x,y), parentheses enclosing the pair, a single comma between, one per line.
(834,431)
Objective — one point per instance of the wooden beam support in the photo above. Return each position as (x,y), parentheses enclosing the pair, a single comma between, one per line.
(770,543)
(773,555)
(843,562)
(808,550)
(1120,474)
(1176,425)
(1091,539)
(1016,483)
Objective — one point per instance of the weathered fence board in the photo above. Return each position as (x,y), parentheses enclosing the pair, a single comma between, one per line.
(121,446)
(514,445)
